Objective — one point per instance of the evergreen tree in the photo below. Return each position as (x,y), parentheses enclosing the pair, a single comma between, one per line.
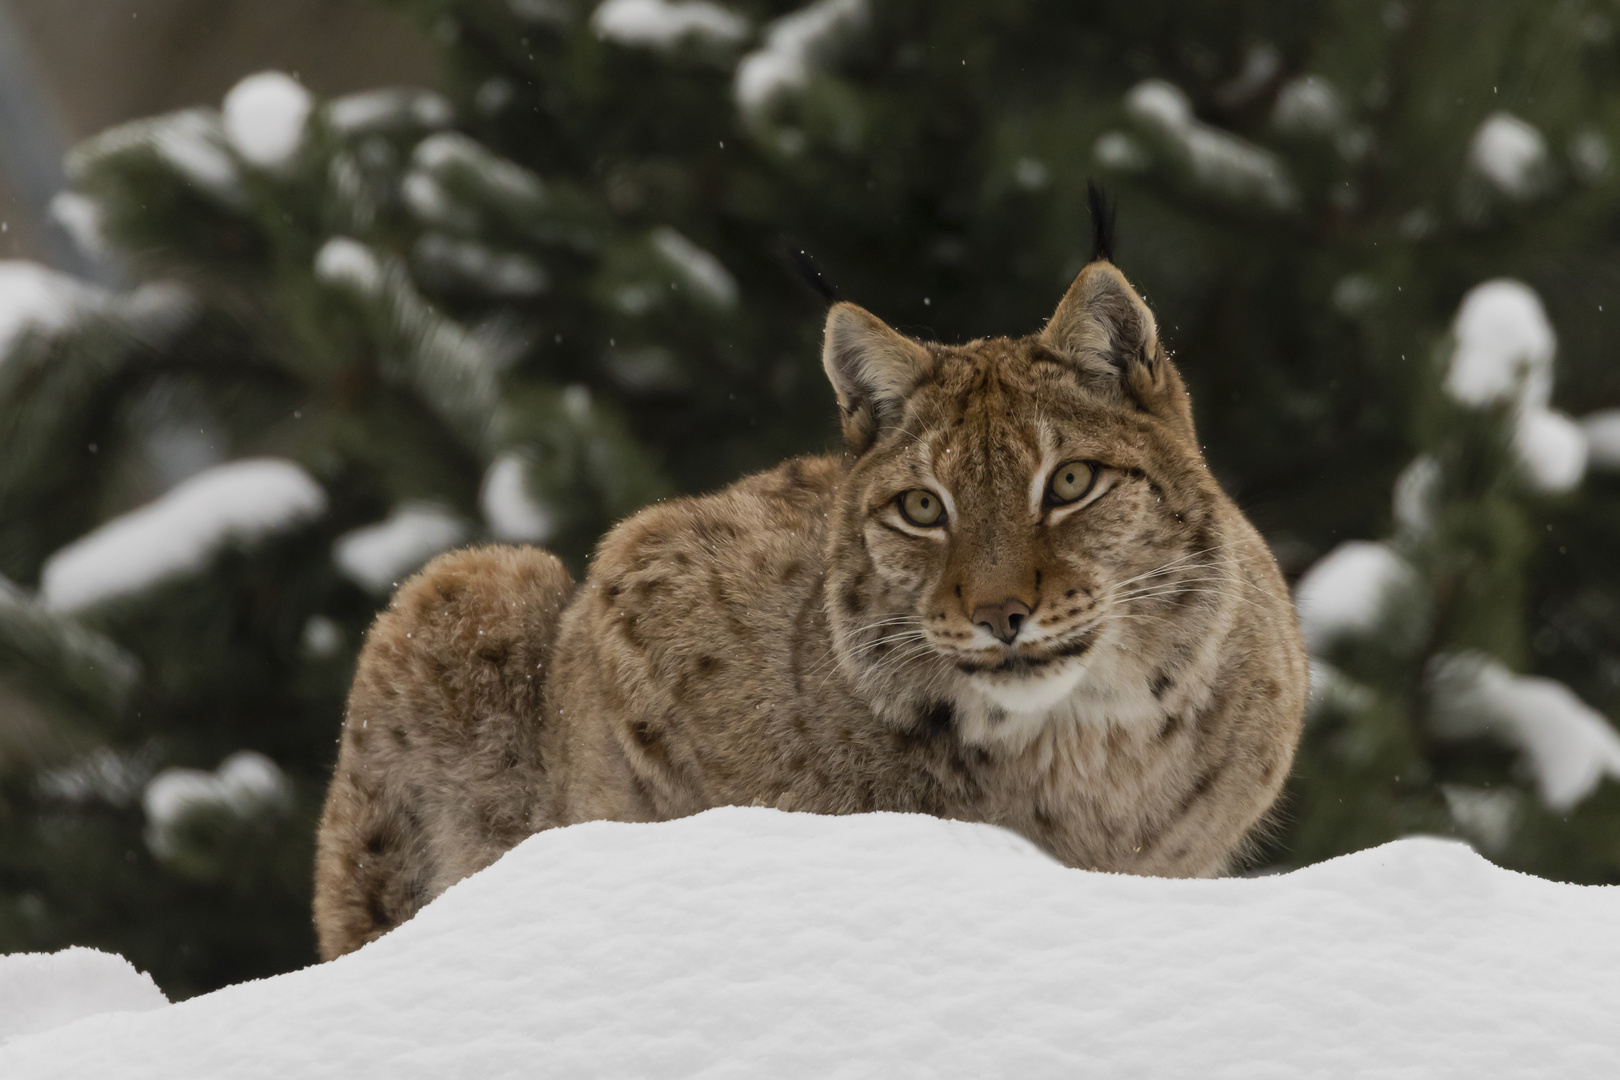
(399,322)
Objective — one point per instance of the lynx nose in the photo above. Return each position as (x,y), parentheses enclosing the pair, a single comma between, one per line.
(1002,620)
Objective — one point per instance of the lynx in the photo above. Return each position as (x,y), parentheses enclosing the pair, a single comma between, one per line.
(1018,597)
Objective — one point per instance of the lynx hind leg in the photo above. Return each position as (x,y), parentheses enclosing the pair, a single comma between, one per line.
(438,770)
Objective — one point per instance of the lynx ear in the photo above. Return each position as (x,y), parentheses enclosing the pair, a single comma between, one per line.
(1103,326)
(872,368)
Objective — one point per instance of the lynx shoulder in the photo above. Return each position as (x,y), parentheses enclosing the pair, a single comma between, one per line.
(1018,597)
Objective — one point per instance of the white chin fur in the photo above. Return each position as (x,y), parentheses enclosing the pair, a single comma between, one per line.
(1037,694)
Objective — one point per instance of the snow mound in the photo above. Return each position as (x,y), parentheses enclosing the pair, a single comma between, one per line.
(660,24)
(749,942)
(265,116)
(40,991)
(181,531)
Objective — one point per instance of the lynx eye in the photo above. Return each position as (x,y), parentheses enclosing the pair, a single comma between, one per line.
(1071,482)
(922,507)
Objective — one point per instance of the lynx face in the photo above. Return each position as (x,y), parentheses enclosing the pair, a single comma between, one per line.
(1029,525)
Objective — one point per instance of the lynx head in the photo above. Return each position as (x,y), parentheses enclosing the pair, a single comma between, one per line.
(1027,526)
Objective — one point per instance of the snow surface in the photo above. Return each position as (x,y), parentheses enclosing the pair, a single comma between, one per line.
(378,557)
(246,784)
(40,991)
(1510,153)
(660,24)
(1602,430)
(1218,159)
(265,115)
(34,297)
(793,45)
(755,943)
(512,513)
(1568,746)
(1503,352)
(181,531)
(1345,590)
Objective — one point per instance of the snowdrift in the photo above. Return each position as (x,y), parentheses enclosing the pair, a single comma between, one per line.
(750,943)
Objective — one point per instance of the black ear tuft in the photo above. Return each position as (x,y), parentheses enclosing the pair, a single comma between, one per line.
(811,275)
(1102,222)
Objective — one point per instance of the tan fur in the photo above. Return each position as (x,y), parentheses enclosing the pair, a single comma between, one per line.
(793,641)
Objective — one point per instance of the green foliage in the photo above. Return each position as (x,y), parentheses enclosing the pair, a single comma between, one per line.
(578,267)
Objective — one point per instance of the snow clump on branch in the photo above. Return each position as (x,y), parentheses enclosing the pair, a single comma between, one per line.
(180,532)
(794,44)
(1503,352)
(660,24)
(1510,153)
(1217,159)
(265,116)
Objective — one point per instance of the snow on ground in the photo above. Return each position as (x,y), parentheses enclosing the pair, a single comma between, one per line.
(264,118)
(660,24)
(179,532)
(34,297)
(40,991)
(378,557)
(750,942)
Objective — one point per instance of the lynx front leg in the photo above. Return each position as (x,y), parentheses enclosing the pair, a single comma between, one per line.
(439,770)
